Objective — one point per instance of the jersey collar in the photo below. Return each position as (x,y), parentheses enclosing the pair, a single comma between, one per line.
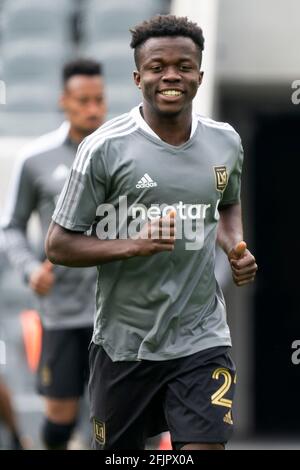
(137,116)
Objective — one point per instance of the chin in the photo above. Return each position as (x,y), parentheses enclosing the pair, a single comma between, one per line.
(90,130)
(169,110)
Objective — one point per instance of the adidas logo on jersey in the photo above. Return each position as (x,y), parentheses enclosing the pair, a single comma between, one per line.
(146,182)
(61,172)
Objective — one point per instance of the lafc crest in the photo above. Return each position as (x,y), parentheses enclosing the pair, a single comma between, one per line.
(221,176)
(46,376)
(99,431)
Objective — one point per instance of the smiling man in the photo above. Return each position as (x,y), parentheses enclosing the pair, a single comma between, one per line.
(160,353)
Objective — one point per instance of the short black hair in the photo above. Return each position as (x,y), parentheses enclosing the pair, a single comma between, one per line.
(165,25)
(81,67)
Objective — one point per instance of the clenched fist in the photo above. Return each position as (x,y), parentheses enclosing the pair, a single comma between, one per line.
(243,264)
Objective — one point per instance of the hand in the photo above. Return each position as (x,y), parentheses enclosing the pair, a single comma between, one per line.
(156,236)
(243,264)
(42,279)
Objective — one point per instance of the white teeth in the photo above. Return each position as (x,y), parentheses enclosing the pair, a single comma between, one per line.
(171,93)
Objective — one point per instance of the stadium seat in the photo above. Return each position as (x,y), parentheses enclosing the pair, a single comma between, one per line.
(35,24)
(29,61)
(117,59)
(10,6)
(27,124)
(32,97)
(105,20)
(38,21)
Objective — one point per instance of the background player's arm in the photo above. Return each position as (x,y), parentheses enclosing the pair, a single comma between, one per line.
(74,249)
(230,238)
(37,274)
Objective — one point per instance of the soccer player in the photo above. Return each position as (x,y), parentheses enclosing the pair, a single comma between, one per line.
(7,414)
(65,295)
(160,352)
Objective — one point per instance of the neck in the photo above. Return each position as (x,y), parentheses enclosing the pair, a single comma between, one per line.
(173,129)
(76,135)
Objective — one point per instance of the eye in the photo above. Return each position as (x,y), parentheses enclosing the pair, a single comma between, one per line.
(185,67)
(156,68)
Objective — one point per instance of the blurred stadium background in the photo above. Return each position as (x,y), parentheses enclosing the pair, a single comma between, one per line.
(250,62)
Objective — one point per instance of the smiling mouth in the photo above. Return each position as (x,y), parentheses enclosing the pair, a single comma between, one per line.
(171,93)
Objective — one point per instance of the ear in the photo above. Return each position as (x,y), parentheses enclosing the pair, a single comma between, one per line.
(137,78)
(201,74)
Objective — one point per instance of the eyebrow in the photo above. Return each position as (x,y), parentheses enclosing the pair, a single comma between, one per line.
(160,59)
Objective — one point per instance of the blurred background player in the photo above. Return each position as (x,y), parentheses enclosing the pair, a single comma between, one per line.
(7,414)
(66,296)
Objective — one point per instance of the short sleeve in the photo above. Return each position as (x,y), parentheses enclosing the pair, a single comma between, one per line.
(22,197)
(83,192)
(232,192)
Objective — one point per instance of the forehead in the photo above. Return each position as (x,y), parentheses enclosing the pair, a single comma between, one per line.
(170,46)
(85,84)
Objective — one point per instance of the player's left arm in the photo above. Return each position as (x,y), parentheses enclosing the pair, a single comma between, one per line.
(230,238)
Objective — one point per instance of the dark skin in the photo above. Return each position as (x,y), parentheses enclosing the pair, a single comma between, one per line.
(230,238)
(169,76)
(76,250)
(84,105)
(169,64)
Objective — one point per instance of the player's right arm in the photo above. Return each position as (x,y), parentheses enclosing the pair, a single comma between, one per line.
(88,187)
(74,249)
(21,202)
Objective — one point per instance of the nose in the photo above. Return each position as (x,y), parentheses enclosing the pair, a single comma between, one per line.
(171,75)
(94,108)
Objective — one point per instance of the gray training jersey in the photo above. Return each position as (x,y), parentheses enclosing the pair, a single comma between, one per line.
(38,179)
(168,305)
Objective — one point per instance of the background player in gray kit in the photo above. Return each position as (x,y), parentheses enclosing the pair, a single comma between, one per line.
(160,354)
(7,413)
(66,296)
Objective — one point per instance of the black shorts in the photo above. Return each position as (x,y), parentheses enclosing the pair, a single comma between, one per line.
(63,367)
(189,396)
